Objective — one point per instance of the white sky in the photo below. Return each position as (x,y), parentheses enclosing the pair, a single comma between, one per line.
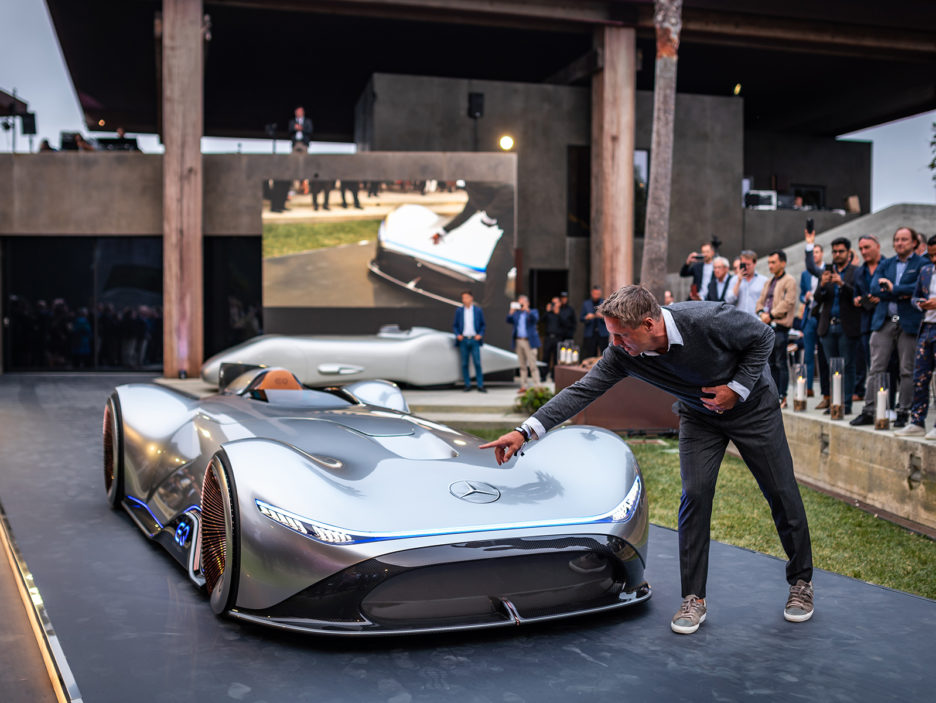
(32,64)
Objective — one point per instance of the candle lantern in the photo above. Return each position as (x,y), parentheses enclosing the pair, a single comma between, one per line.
(799,387)
(837,378)
(881,387)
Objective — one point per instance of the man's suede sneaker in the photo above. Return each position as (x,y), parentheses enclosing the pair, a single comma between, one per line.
(799,606)
(690,615)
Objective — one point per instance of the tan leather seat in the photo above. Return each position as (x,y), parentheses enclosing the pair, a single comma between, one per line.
(279,380)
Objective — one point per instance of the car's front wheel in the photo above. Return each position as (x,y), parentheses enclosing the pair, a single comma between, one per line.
(113,452)
(220,542)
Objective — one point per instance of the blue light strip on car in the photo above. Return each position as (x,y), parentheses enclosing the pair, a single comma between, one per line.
(146,508)
(434,257)
(329,534)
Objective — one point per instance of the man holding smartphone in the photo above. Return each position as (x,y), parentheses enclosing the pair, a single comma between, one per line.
(748,286)
(839,326)
(699,265)
(525,339)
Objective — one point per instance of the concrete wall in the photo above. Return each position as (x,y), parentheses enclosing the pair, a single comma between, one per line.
(417,112)
(707,169)
(893,474)
(777,161)
(102,193)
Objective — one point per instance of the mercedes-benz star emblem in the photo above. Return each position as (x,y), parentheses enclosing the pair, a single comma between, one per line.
(474,491)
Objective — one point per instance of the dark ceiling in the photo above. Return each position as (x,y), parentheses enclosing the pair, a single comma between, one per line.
(262,62)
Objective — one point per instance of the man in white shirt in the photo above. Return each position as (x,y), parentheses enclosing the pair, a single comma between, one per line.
(721,281)
(747,289)
(468,327)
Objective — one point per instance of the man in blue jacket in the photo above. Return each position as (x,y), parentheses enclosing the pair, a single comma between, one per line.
(595,335)
(924,299)
(895,322)
(469,336)
(525,339)
(809,323)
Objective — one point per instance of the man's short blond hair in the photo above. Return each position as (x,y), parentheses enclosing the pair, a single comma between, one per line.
(631,305)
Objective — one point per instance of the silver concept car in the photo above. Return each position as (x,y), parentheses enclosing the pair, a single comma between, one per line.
(335,511)
(419,357)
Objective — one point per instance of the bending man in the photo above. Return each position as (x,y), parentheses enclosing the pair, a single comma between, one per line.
(713,358)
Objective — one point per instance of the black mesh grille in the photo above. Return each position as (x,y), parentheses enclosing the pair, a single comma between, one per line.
(213,544)
(109,456)
(465,584)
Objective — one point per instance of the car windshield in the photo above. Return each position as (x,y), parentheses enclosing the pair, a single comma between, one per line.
(321,400)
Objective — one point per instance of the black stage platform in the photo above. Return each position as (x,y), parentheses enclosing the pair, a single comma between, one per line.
(134,629)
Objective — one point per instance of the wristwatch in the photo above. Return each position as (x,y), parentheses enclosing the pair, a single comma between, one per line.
(524,431)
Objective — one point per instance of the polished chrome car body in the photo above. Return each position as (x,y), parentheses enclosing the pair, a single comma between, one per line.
(317,511)
(419,357)
(414,252)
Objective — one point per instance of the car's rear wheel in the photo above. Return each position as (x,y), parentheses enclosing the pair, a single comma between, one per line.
(113,452)
(220,541)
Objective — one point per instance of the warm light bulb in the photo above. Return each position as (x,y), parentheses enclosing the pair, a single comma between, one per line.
(737,89)
(506,142)
(100,123)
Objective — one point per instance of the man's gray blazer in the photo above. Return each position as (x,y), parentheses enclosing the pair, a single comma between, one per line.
(721,344)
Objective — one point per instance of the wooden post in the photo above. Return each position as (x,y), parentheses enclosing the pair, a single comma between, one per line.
(667,18)
(612,159)
(182,125)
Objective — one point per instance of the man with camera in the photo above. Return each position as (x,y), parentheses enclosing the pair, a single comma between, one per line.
(525,339)
(895,322)
(776,307)
(839,326)
(700,267)
(553,326)
(595,334)
(747,288)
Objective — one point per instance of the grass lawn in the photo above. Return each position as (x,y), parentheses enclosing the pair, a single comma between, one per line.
(845,540)
(280,238)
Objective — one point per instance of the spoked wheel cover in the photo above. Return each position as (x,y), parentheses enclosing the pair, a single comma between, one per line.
(219,557)
(112,449)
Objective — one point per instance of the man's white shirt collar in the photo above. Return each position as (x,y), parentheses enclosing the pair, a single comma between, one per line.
(672,333)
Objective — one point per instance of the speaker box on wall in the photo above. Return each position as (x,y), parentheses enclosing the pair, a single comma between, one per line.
(475,105)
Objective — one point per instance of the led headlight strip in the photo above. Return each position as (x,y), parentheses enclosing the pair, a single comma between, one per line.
(329,534)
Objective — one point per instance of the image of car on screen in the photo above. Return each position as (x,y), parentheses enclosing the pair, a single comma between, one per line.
(418,356)
(336,511)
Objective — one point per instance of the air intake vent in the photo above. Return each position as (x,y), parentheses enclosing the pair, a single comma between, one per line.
(213,543)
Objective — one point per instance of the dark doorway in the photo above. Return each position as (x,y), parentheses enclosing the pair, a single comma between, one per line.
(578,191)
(233,291)
(544,284)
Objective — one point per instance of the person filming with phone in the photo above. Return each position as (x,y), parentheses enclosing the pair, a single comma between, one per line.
(839,326)
(700,266)
(747,288)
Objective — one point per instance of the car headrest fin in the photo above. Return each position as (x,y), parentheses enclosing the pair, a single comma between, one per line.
(278,380)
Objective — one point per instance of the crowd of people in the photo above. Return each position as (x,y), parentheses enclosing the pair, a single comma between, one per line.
(876,314)
(59,336)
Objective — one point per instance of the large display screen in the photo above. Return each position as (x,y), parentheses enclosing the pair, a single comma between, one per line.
(404,250)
